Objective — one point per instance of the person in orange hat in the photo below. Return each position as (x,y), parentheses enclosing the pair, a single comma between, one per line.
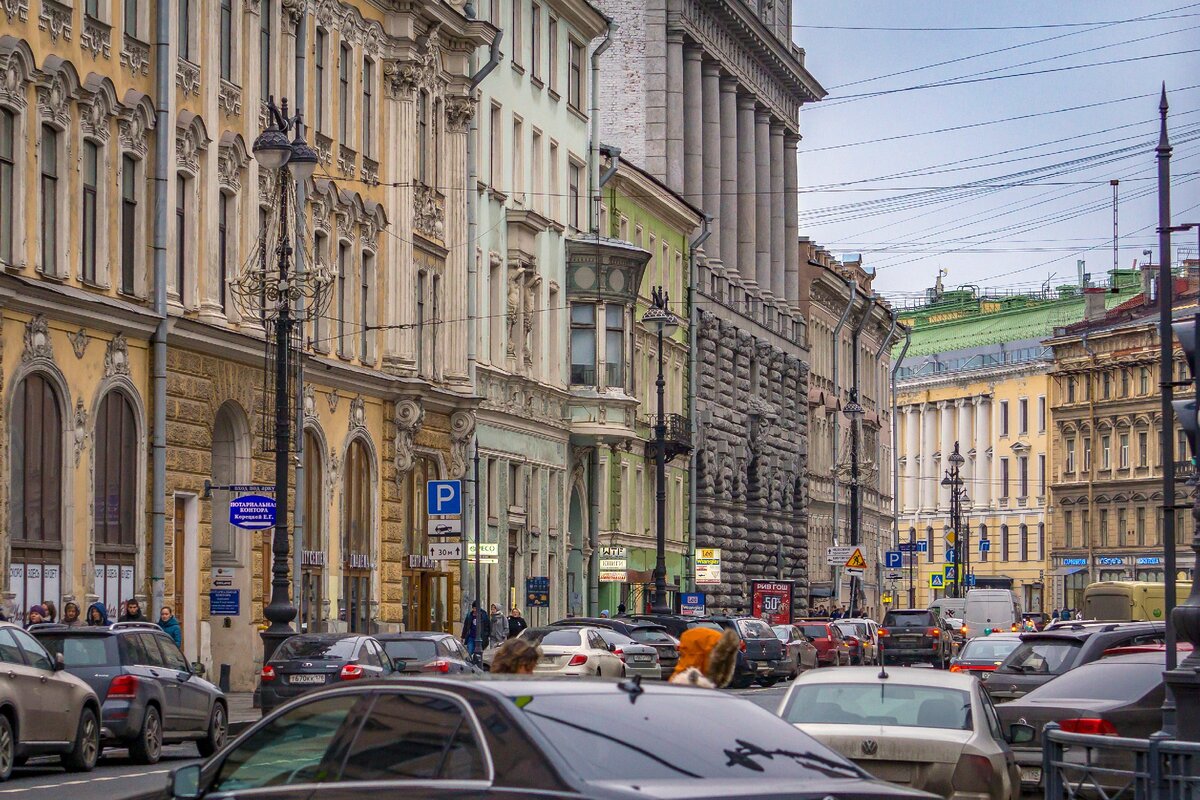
(707,658)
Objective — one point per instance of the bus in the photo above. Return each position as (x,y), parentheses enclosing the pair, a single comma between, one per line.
(1125,601)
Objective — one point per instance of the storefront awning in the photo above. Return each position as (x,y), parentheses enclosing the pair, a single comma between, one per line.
(1068,570)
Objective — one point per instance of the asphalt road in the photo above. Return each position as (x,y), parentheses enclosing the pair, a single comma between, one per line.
(115,777)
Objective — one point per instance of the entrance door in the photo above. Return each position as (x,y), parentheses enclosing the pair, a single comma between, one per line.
(312,580)
(356,594)
(180,539)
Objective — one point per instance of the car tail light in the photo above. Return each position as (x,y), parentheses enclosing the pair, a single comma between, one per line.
(963,630)
(742,645)
(934,632)
(619,653)
(883,632)
(577,660)
(440,665)
(351,672)
(955,668)
(973,774)
(1092,725)
(1014,627)
(124,687)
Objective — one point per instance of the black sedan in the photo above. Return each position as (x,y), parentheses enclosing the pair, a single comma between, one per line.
(414,652)
(314,660)
(512,737)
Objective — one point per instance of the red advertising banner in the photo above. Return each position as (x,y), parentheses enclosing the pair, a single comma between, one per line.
(773,601)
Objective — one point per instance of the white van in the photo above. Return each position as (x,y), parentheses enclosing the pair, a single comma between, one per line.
(948,607)
(990,609)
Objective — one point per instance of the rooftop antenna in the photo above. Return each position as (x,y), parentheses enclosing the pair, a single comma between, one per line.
(1114,183)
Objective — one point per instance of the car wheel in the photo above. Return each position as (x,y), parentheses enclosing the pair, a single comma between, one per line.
(767,683)
(218,729)
(86,753)
(740,683)
(8,748)
(147,747)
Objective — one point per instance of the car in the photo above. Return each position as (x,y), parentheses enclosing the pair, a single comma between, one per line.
(149,694)
(640,659)
(514,736)
(984,653)
(990,611)
(827,638)
(1042,656)
(1115,696)
(44,709)
(414,652)
(867,632)
(574,651)
(311,660)
(802,653)
(927,730)
(1038,618)
(642,631)
(914,636)
(862,646)
(764,659)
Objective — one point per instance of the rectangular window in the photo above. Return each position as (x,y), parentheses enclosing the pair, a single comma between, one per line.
(1070,390)
(319,56)
(583,344)
(321,253)
(518,32)
(1042,475)
(342,297)
(264,50)
(1105,452)
(421,283)
(1042,414)
(573,198)
(518,160)
(1085,528)
(91,179)
(1068,529)
(552,44)
(1023,542)
(129,220)
(1123,455)
(1123,532)
(1144,381)
(553,193)
(131,18)
(497,134)
(344,94)
(366,278)
(1124,383)
(1106,384)
(1022,477)
(185,29)
(1143,449)
(1022,416)
(535,39)
(1087,454)
(181,233)
(222,246)
(575,77)
(423,137)
(49,159)
(368,106)
(537,188)
(614,345)
(1004,488)
(1004,543)
(227,39)
(1140,516)
(8,166)
(1104,527)
(1004,418)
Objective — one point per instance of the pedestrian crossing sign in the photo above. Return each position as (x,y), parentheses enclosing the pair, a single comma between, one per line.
(936,582)
(950,573)
(856,560)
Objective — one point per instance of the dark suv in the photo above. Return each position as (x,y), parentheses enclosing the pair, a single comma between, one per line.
(763,657)
(148,692)
(914,636)
(1042,656)
(642,632)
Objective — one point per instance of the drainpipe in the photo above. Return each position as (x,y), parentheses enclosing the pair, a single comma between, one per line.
(896,441)
(856,493)
(472,206)
(298,256)
(594,533)
(693,380)
(613,153)
(163,82)
(1095,439)
(837,420)
(594,150)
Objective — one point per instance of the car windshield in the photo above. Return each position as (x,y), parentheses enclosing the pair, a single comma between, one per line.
(556,637)
(814,631)
(324,649)
(754,629)
(985,648)
(651,636)
(612,637)
(411,649)
(82,651)
(782,632)
(909,619)
(879,704)
(595,732)
(1047,656)
(853,629)
(1103,680)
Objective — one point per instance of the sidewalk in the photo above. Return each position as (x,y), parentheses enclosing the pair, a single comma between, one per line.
(242,713)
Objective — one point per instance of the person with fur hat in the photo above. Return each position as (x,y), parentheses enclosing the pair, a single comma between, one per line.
(516,657)
(71,616)
(707,658)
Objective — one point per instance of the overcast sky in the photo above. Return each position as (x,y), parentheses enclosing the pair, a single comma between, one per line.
(887,199)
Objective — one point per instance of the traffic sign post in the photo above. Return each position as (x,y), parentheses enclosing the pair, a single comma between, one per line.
(950,555)
(444,498)
(893,559)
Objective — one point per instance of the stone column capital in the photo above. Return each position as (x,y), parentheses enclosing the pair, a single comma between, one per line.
(728,82)
(712,69)
(762,115)
(791,140)
(692,51)
(777,127)
(746,102)
(943,404)
(675,36)
(960,402)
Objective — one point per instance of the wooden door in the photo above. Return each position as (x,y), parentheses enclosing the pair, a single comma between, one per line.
(180,599)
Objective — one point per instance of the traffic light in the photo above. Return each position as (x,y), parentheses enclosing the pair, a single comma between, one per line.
(1185,410)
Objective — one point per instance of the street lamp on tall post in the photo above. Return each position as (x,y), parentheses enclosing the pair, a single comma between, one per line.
(658,318)
(854,412)
(953,481)
(268,292)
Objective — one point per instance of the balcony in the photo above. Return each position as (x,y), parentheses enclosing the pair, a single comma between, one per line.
(678,436)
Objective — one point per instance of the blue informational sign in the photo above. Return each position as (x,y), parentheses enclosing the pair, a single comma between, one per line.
(1144,561)
(893,559)
(950,554)
(969,580)
(254,512)
(922,546)
(224,602)
(691,604)
(985,545)
(909,547)
(936,581)
(1074,562)
(537,592)
(444,498)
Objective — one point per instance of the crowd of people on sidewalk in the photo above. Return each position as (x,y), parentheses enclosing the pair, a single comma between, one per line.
(97,616)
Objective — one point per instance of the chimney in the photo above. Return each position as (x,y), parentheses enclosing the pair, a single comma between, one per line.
(1093,303)
(1148,275)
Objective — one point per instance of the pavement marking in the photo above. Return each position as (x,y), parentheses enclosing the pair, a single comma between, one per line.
(84,780)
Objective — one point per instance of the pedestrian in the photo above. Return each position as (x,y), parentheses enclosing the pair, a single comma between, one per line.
(476,629)
(133,611)
(516,657)
(37,615)
(97,616)
(1054,613)
(516,623)
(604,613)
(1066,614)
(71,616)
(51,611)
(706,658)
(499,626)
(1078,614)
(621,610)
(167,621)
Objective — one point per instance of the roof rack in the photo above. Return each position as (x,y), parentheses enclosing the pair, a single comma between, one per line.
(143,625)
(46,626)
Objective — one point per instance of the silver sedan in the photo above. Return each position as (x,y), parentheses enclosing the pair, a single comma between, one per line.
(640,659)
(574,651)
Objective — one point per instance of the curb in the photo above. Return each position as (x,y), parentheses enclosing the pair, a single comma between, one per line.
(237,728)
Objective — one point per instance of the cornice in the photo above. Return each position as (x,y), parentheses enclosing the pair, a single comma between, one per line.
(76,306)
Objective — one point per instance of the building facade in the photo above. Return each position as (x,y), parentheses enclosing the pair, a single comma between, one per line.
(843,313)
(388,402)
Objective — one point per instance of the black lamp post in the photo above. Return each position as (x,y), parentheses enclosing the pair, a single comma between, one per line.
(854,412)
(659,319)
(953,481)
(280,287)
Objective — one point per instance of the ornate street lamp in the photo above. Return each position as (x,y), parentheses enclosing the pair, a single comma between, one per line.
(854,412)
(953,481)
(659,319)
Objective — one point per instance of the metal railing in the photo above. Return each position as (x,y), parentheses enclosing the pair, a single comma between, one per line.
(1116,768)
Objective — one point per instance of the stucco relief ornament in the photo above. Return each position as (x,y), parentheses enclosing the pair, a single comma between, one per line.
(310,402)
(132,133)
(37,340)
(53,101)
(333,398)
(16,8)
(358,413)
(56,19)
(79,342)
(116,357)
(459,111)
(95,118)
(12,80)
(81,425)
(409,416)
(462,427)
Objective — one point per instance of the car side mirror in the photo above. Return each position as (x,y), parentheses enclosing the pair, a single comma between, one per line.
(1020,733)
(185,783)
(612,648)
(60,663)
(198,668)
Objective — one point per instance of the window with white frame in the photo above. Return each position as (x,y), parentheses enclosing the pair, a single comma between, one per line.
(518,160)
(130,227)
(344,94)
(368,106)
(343,296)
(614,345)
(8,185)
(535,40)
(183,234)
(552,46)
(366,339)
(131,18)
(320,54)
(321,252)
(50,201)
(226,40)
(186,45)
(264,48)
(423,137)
(583,344)
(574,200)
(553,192)
(89,208)
(518,32)
(496,133)
(224,226)
(422,283)
(536,158)
(575,89)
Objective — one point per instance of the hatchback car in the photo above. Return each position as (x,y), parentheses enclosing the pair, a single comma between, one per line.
(574,651)
(984,653)
(927,730)
(44,710)
(149,693)
(427,651)
(510,737)
(764,659)
(644,632)
(828,639)
(312,660)
(802,653)
(914,636)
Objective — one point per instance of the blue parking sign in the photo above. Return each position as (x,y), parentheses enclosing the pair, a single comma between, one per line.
(444,498)
(893,559)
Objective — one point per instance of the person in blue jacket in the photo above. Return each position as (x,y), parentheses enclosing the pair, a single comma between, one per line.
(167,621)
(97,615)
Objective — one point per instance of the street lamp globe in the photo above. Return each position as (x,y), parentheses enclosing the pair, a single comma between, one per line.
(660,320)
(956,459)
(946,481)
(853,410)
(272,148)
(302,162)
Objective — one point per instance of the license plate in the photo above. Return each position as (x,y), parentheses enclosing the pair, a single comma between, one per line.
(306,679)
(642,659)
(1031,775)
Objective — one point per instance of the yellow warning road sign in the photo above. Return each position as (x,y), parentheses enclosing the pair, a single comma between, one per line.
(951,537)
(856,560)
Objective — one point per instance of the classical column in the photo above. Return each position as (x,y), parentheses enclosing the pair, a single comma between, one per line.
(746,179)
(946,428)
(675,110)
(791,221)
(777,214)
(912,451)
(453,349)
(397,173)
(729,173)
(983,462)
(693,130)
(712,155)
(929,464)
(762,212)
(965,443)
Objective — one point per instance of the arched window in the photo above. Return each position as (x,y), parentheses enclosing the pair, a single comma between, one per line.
(983,535)
(1004,543)
(358,561)
(114,500)
(35,507)
(312,558)
(1023,542)
(230,465)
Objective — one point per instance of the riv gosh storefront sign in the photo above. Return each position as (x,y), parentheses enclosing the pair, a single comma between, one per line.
(772,601)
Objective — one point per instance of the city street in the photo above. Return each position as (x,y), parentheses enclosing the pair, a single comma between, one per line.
(114,778)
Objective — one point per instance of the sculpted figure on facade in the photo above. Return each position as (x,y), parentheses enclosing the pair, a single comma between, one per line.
(409,416)
(462,429)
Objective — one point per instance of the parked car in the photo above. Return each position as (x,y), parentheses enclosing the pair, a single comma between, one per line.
(827,638)
(642,631)
(1038,618)
(312,660)
(567,650)
(802,653)
(862,646)
(914,636)
(639,659)
(441,737)
(149,694)
(926,730)
(1115,696)
(674,623)
(44,709)
(984,653)
(414,652)
(1042,656)
(764,659)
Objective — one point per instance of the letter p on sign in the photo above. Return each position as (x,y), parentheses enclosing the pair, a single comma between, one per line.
(444,498)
